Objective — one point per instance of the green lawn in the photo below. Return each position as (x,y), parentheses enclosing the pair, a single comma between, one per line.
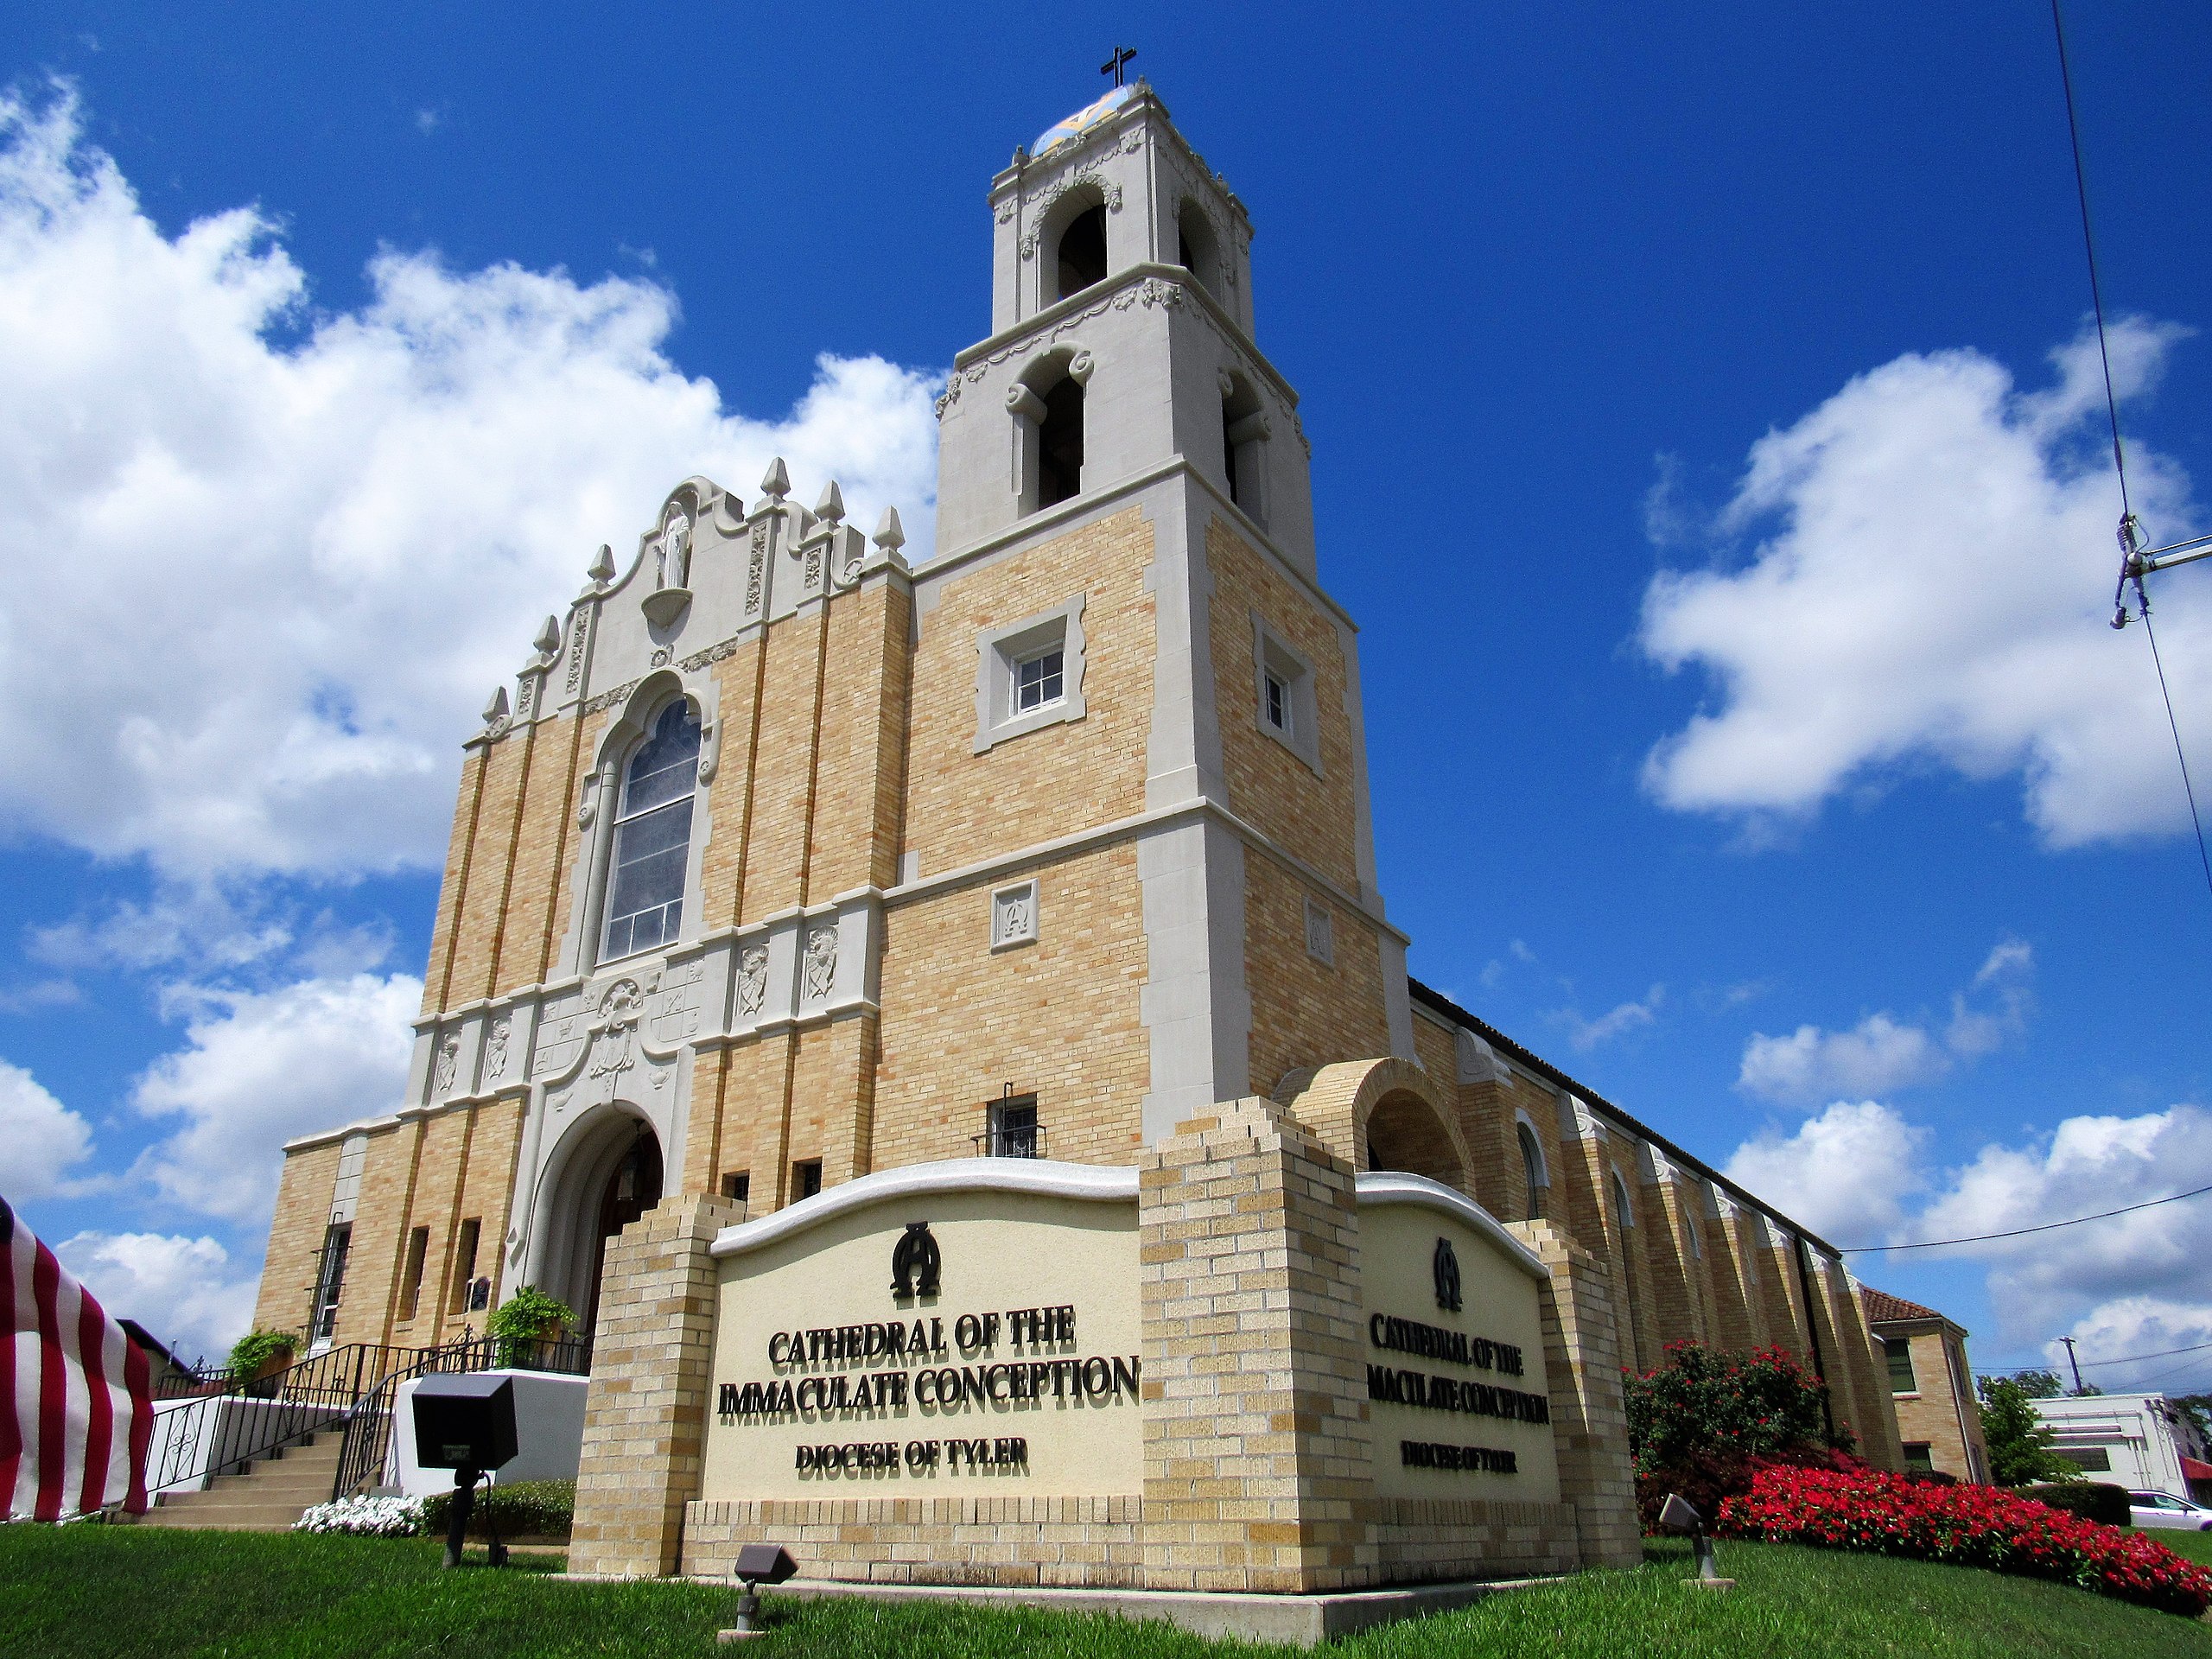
(117,1592)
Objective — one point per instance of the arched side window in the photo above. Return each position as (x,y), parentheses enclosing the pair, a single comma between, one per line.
(652,836)
(1048,447)
(1059,444)
(1195,248)
(1532,1164)
(1244,430)
(1625,1219)
(1083,252)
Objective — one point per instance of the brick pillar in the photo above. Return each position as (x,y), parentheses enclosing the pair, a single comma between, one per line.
(1589,1413)
(1875,1418)
(1257,1458)
(645,1414)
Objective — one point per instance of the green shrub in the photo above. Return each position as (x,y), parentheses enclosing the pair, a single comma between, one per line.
(536,1507)
(2092,1500)
(248,1352)
(529,1316)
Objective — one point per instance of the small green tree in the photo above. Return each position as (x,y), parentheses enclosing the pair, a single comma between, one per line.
(2198,1407)
(529,1316)
(2021,1445)
(2038,1385)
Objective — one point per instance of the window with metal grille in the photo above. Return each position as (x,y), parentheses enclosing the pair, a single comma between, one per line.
(806,1178)
(652,836)
(1013,1131)
(464,1265)
(330,1277)
(410,1292)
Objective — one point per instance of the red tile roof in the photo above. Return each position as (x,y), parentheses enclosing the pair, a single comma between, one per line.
(1882,1307)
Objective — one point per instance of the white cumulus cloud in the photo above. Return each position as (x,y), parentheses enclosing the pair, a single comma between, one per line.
(1847,1173)
(1876,1056)
(2130,1343)
(1932,587)
(260,1067)
(187,1292)
(43,1138)
(1616,1021)
(2041,1283)
(265,561)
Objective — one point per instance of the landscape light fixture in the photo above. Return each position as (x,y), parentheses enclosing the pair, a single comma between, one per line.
(1677,1514)
(756,1565)
(466,1423)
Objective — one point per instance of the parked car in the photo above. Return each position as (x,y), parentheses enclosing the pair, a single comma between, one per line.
(2164,1510)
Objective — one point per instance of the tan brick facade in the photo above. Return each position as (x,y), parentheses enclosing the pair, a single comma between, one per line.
(1012,826)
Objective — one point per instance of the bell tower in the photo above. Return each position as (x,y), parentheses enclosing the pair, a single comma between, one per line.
(1122,371)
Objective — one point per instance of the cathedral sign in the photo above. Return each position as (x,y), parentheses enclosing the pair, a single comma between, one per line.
(955,1331)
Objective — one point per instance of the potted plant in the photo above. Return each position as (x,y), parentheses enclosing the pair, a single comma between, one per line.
(524,1319)
(258,1356)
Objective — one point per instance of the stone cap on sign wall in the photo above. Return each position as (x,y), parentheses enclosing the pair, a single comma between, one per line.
(1044,1177)
(1381,1186)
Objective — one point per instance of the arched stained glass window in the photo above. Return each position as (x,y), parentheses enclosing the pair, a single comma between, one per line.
(1532,1164)
(652,836)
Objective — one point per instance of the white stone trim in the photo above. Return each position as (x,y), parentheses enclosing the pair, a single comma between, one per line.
(1386,1187)
(998,650)
(1093,1183)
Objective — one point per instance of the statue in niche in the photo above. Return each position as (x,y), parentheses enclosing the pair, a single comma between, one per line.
(672,554)
(495,1057)
(752,979)
(821,960)
(449,1063)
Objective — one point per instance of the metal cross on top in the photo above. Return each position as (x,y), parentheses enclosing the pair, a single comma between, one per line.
(1113,66)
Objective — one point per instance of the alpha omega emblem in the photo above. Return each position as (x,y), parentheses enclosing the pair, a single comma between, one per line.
(1446,1264)
(915,1258)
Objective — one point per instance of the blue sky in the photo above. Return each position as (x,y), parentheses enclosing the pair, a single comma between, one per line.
(1701,435)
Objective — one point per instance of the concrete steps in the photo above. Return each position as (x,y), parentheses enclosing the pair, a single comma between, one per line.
(269,1497)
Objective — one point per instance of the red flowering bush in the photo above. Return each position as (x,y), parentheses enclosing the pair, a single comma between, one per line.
(1969,1526)
(1702,1423)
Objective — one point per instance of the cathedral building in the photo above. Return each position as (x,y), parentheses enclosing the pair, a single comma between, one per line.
(792,863)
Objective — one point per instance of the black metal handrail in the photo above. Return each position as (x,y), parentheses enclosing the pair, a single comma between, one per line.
(368,1439)
(1024,1140)
(225,1429)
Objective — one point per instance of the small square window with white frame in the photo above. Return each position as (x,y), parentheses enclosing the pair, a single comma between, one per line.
(1014,915)
(1029,674)
(1321,935)
(1037,680)
(1284,695)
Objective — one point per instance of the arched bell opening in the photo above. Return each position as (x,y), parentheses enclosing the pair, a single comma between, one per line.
(609,1173)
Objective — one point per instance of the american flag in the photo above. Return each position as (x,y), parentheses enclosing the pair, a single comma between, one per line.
(76,1395)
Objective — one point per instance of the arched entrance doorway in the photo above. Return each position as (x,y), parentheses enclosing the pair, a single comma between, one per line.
(628,1192)
(606,1172)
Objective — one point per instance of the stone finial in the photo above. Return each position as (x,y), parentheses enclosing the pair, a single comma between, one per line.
(496,710)
(602,568)
(890,535)
(776,484)
(549,637)
(831,507)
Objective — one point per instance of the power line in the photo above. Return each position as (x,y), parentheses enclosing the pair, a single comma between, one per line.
(2131,562)
(2163,1353)
(2089,247)
(2022,1232)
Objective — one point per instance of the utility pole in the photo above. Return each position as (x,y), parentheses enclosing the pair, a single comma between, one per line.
(2075,1363)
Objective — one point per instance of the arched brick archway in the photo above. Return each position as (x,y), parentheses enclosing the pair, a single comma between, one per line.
(1382,1114)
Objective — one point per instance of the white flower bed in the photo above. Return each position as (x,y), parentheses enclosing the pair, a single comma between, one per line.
(365,1517)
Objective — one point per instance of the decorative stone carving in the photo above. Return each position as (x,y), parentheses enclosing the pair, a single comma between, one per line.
(672,551)
(495,1053)
(620,1007)
(607,700)
(756,570)
(449,1063)
(576,638)
(1014,915)
(821,966)
(752,981)
(714,653)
